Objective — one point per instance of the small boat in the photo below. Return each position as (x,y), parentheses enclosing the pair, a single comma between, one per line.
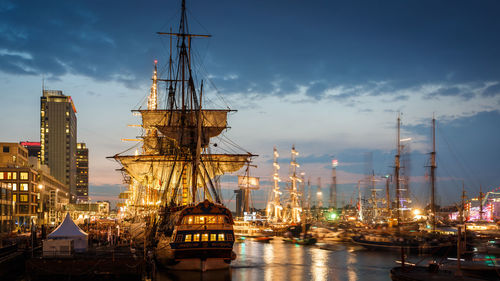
(328,235)
(301,241)
(263,239)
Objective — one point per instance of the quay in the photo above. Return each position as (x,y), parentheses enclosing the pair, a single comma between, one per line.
(103,263)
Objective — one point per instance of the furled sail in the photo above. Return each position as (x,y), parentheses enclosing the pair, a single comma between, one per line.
(171,124)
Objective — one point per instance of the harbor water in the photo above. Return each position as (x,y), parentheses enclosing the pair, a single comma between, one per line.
(284,261)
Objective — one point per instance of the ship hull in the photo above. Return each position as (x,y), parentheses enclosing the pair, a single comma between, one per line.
(202,239)
(199,259)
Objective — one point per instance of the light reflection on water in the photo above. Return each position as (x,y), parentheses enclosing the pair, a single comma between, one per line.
(319,266)
(269,259)
(281,261)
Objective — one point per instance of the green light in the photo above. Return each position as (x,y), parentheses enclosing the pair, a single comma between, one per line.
(333,216)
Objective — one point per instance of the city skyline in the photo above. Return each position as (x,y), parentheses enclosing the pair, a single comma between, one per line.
(329,77)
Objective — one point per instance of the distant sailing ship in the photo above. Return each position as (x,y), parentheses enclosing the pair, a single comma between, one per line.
(173,180)
(274,210)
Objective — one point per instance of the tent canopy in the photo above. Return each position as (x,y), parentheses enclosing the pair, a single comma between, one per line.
(67,229)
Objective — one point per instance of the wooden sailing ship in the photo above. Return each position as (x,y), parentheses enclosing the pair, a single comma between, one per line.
(174,178)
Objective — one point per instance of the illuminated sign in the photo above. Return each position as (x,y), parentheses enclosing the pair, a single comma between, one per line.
(30,143)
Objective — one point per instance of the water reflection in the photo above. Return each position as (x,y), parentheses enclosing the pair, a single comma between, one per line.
(269,261)
(166,275)
(351,266)
(282,261)
(319,268)
(296,261)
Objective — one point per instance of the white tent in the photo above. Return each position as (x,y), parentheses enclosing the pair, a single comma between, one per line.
(70,231)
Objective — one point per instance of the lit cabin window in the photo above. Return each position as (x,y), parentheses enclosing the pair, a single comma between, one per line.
(190,220)
(196,237)
(211,219)
(220,219)
(23,175)
(221,236)
(204,237)
(213,237)
(187,238)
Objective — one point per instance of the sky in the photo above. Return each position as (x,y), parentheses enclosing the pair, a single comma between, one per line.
(329,77)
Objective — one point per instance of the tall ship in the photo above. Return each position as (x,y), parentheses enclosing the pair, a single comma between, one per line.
(174,174)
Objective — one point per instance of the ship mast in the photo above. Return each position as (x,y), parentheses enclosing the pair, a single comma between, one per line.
(294,194)
(274,206)
(433,176)
(396,173)
(333,187)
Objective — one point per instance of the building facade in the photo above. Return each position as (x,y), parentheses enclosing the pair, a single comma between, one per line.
(58,137)
(82,172)
(33,193)
(6,218)
(34,148)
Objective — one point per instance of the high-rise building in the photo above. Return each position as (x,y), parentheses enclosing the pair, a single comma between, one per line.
(82,172)
(58,137)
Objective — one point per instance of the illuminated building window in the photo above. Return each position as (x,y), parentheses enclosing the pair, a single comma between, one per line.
(47,130)
(213,237)
(23,175)
(221,236)
(196,237)
(23,198)
(14,197)
(23,187)
(13,186)
(1,175)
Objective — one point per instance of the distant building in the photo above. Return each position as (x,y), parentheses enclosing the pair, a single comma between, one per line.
(83,211)
(239,202)
(82,172)
(13,155)
(58,137)
(35,196)
(34,148)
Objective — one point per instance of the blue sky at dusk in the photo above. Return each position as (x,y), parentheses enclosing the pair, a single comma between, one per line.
(327,76)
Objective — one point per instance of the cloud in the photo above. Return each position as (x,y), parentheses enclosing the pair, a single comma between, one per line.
(105,41)
(493,90)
